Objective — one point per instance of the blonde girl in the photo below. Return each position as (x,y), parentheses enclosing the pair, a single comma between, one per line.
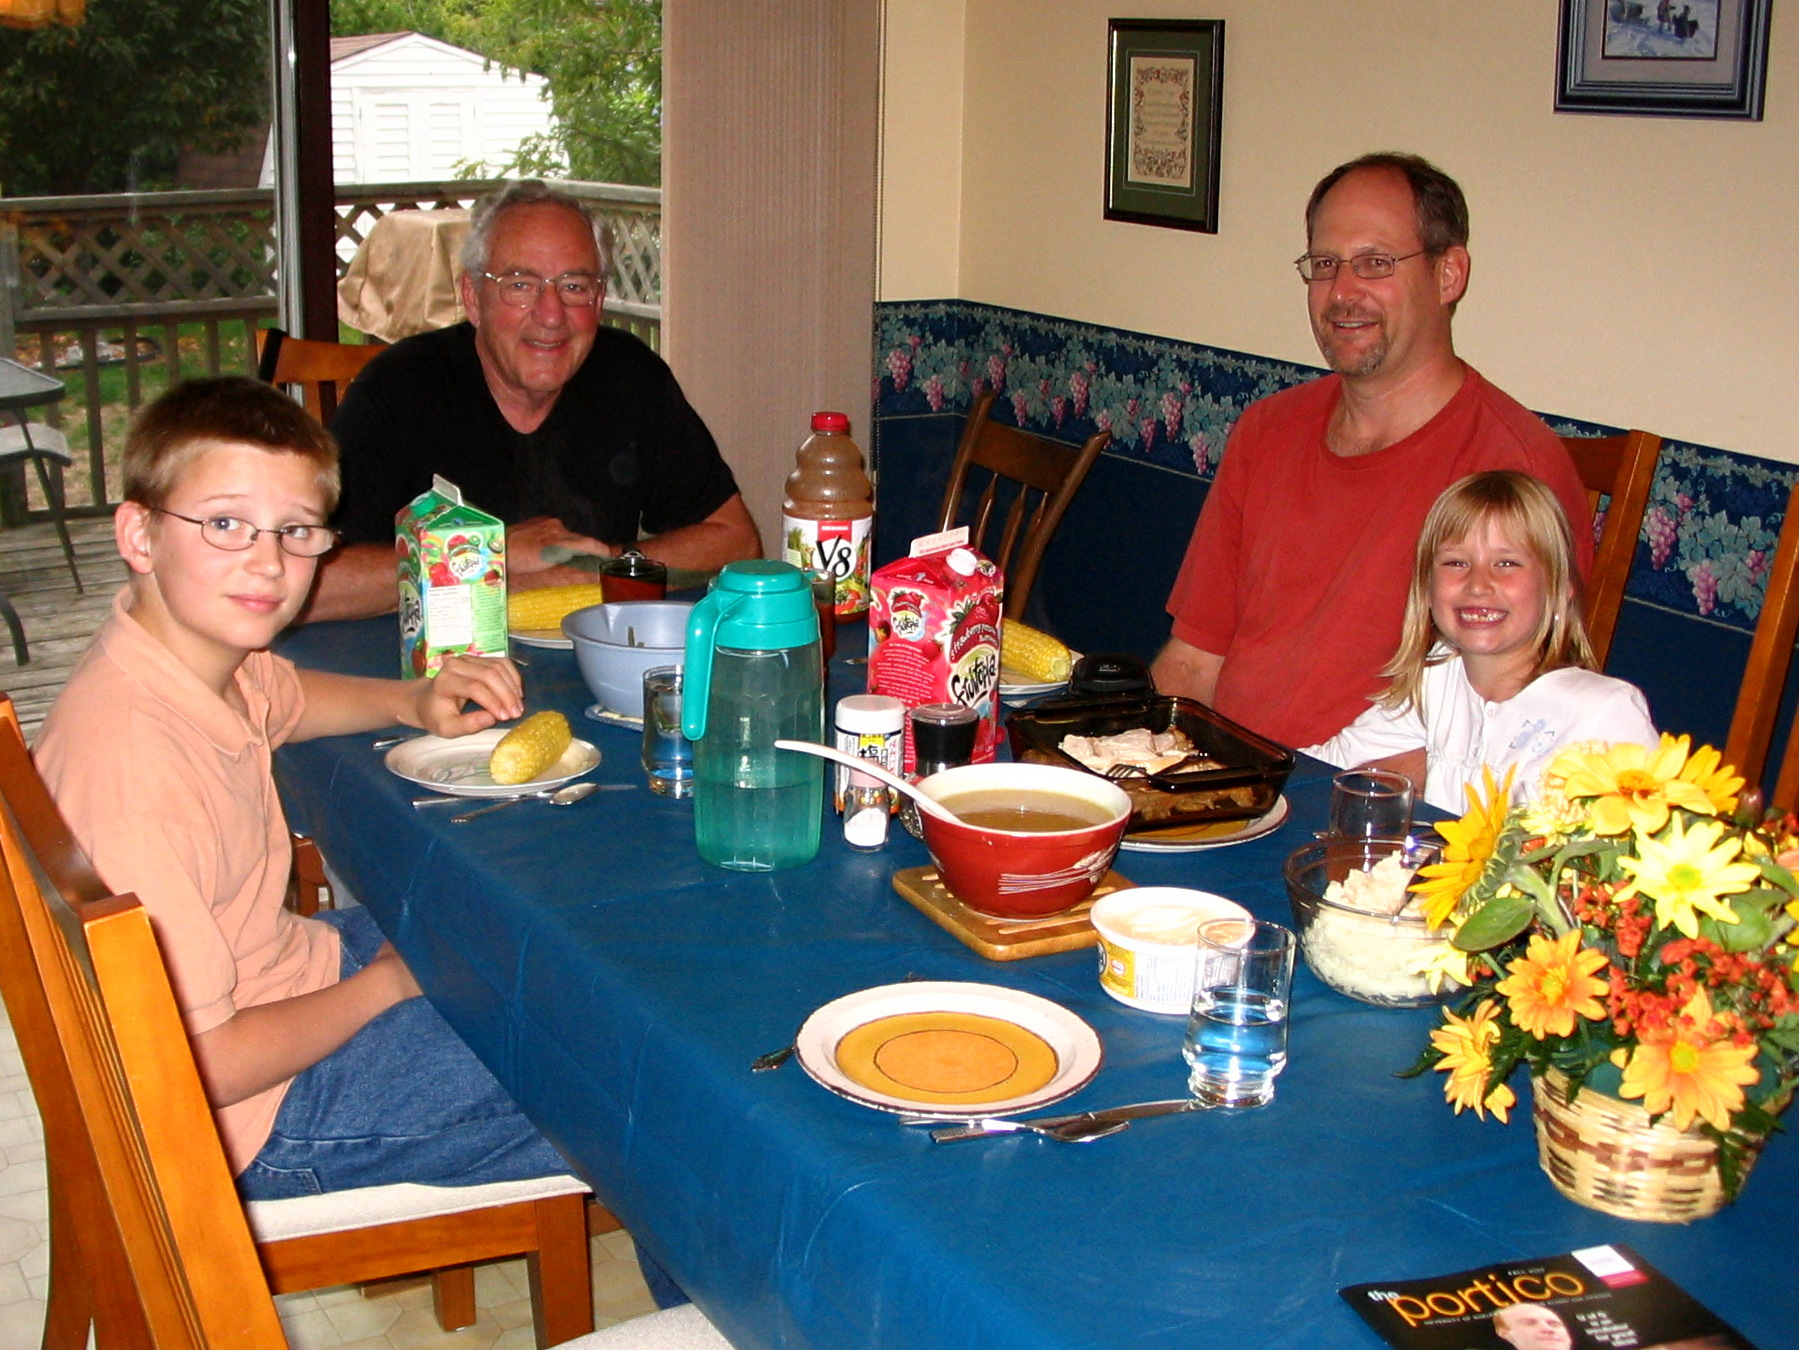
(1493,667)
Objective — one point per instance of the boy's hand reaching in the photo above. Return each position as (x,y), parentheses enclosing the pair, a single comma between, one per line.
(491,683)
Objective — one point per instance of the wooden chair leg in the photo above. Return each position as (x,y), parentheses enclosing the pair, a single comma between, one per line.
(600,1219)
(453,1295)
(561,1271)
(68,1312)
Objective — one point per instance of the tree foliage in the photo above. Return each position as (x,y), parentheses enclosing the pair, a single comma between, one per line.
(108,106)
(602,58)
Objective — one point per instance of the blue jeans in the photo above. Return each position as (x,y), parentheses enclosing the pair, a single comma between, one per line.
(403,1100)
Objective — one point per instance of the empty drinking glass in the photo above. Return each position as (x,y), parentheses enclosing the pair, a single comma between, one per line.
(1371,804)
(1237,1036)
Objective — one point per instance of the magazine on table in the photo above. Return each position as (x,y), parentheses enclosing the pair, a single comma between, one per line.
(1597,1298)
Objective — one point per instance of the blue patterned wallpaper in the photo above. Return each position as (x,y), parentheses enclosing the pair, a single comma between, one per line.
(1707,541)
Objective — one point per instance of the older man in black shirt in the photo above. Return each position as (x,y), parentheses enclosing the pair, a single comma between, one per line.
(576,435)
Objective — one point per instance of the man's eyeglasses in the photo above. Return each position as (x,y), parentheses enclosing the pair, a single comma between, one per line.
(521,290)
(1367,266)
(234,535)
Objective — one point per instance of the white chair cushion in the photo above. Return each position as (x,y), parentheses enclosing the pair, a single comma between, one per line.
(683,1328)
(340,1211)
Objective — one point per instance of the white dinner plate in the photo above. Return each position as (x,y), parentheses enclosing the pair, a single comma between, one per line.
(1074,1045)
(542,637)
(459,766)
(1198,838)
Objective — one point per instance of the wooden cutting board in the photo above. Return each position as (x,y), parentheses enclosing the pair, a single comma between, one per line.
(1003,939)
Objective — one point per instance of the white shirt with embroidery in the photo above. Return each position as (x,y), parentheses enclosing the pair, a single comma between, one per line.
(1460,731)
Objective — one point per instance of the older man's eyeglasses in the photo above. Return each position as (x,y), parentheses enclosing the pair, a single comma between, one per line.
(1367,266)
(521,290)
(234,536)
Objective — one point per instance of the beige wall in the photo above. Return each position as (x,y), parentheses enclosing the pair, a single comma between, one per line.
(1639,271)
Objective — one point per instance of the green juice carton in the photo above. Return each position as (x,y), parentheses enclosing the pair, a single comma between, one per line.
(452,566)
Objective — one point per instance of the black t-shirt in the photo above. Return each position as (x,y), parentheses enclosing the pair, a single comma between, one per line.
(621,453)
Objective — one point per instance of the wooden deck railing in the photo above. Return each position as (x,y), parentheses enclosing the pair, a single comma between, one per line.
(119,295)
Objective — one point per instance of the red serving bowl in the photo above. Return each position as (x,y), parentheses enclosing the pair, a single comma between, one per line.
(1020,874)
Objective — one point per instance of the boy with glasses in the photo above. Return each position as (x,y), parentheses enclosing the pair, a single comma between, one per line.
(325,1069)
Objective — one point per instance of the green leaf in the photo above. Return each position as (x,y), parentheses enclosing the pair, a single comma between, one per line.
(1777,874)
(1499,920)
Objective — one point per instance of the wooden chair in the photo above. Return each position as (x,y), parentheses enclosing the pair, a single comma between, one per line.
(1765,676)
(1623,469)
(322,370)
(67,1037)
(1045,474)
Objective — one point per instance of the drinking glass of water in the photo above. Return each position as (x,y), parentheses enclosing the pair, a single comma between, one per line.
(1237,1037)
(667,754)
(1371,804)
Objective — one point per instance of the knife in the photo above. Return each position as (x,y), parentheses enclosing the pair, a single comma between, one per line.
(979,1129)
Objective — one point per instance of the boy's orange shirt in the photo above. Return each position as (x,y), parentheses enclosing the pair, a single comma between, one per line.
(171,794)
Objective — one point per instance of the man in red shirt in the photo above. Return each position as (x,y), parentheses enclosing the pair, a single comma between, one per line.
(1289,601)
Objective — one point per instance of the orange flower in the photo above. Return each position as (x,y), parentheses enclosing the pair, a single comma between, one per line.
(1691,1067)
(1467,1045)
(1552,982)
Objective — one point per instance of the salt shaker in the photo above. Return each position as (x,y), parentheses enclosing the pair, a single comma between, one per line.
(867,807)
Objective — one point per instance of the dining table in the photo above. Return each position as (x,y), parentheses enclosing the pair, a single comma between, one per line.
(619,987)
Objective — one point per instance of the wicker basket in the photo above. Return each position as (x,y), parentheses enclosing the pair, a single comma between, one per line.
(1604,1153)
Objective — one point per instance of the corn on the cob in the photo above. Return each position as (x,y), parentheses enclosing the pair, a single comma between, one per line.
(1035,655)
(548,606)
(529,748)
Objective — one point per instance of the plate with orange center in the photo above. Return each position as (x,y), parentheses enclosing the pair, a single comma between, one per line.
(948,1049)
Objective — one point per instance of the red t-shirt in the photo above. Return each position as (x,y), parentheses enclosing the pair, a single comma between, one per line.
(1299,566)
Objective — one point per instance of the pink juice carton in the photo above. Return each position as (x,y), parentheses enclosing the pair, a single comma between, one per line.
(934,621)
(452,571)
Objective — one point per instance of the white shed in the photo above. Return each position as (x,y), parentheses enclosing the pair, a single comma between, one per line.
(406,108)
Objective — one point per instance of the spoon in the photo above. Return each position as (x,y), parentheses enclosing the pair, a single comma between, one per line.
(563,796)
(874,770)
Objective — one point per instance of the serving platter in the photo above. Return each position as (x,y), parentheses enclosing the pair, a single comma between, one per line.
(1215,834)
(948,1049)
(458,767)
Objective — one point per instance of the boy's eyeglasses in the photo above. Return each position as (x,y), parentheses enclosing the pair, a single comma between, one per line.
(234,535)
(577,290)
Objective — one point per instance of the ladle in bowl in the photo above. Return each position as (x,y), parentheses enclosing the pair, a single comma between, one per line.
(877,771)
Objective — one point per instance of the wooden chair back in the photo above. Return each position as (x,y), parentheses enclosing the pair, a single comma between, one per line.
(321,370)
(161,1255)
(1765,676)
(1621,468)
(1045,475)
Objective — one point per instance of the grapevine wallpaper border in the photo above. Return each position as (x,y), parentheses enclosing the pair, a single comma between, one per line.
(1708,537)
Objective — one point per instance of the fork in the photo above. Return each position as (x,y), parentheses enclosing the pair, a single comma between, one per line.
(774,1059)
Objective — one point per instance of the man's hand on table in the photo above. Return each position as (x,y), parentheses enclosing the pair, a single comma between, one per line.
(526,541)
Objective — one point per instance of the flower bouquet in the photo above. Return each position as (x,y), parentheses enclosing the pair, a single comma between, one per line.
(1631,937)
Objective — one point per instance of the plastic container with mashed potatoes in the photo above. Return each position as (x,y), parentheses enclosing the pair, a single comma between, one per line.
(1148,943)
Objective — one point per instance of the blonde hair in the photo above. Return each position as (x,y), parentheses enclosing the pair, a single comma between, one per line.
(192,417)
(1531,516)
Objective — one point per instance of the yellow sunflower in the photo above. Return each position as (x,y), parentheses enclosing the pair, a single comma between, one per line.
(1706,770)
(1551,983)
(1633,785)
(1467,1044)
(1441,961)
(1691,1068)
(1689,872)
(1470,844)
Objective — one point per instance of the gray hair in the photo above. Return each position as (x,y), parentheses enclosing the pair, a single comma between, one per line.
(527,192)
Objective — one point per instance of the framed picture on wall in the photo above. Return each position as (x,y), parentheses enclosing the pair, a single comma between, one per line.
(1663,58)
(1164,101)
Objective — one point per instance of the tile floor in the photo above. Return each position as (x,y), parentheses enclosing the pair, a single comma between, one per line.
(396,1316)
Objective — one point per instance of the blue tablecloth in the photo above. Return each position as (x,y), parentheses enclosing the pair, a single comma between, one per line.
(619,987)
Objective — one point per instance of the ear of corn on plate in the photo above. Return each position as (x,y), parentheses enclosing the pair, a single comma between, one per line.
(530,748)
(544,609)
(458,766)
(1032,656)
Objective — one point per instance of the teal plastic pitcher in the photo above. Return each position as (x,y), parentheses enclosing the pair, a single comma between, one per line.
(753,675)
